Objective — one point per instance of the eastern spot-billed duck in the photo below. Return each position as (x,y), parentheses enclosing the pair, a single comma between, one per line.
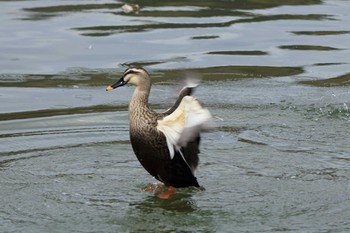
(166,144)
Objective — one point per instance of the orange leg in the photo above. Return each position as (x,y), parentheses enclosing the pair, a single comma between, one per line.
(167,194)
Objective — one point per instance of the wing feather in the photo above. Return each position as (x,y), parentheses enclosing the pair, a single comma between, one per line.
(184,124)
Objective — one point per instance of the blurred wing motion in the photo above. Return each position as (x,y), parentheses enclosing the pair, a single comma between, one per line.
(184,124)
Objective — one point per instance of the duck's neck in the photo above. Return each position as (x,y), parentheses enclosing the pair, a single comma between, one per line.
(139,103)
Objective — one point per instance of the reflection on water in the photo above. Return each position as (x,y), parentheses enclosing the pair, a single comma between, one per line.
(343,80)
(99,78)
(173,9)
(110,30)
(320,33)
(178,203)
(307,47)
(180,213)
(275,75)
(254,33)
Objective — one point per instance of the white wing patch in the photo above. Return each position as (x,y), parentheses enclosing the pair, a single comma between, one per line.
(184,124)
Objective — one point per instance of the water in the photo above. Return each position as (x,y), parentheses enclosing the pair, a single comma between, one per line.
(275,77)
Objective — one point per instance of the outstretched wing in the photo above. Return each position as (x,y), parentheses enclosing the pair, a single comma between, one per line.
(184,124)
(190,83)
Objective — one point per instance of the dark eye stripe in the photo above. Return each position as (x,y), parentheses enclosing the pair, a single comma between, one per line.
(131,72)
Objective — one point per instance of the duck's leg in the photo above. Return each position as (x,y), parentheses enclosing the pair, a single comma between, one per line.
(167,194)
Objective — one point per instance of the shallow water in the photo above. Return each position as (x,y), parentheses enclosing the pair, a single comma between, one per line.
(275,77)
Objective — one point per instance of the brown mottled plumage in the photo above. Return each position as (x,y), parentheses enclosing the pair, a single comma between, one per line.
(155,137)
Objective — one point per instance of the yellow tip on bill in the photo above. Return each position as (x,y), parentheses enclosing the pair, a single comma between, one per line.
(109,88)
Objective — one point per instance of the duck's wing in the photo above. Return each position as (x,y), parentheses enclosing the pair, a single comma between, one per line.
(190,83)
(184,124)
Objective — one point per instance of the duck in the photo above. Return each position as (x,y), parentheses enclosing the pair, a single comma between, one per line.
(165,143)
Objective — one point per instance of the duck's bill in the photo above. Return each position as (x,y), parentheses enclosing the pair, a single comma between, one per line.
(119,83)
(109,88)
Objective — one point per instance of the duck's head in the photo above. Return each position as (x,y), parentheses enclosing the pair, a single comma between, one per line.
(136,76)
